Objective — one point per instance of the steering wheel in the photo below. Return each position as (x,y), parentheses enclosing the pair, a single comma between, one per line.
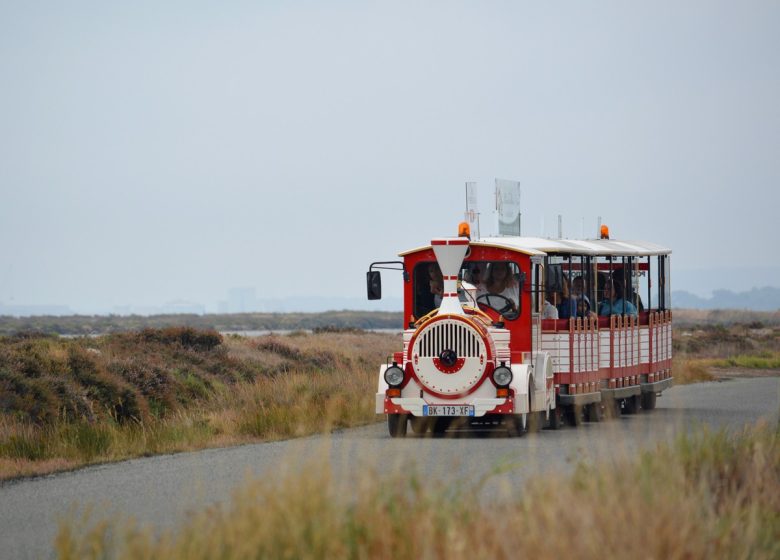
(509,305)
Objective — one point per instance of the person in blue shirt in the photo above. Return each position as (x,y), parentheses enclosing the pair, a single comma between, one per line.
(613,302)
(567,305)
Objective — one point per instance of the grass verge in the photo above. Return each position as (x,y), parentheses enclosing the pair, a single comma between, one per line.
(66,403)
(699,351)
(709,495)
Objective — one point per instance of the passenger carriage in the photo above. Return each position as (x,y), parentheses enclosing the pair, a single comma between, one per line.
(474,357)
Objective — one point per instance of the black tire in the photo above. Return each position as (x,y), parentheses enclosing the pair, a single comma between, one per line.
(555,419)
(515,425)
(648,401)
(396,425)
(533,420)
(594,412)
(574,414)
(632,405)
(440,425)
(419,425)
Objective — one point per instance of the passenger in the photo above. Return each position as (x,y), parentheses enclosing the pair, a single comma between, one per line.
(567,306)
(500,281)
(613,303)
(578,289)
(549,310)
(473,275)
(578,294)
(583,308)
(632,295)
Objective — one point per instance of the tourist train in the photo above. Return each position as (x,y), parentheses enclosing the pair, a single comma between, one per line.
(520,333)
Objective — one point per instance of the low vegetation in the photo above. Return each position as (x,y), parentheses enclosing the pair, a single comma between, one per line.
(710,495)
(693,318)
(88,325)
(66,402)
(69,402)
(699,352)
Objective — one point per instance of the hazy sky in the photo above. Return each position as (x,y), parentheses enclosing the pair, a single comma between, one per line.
(154,151)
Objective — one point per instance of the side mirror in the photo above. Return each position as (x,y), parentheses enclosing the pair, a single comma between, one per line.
(374,284)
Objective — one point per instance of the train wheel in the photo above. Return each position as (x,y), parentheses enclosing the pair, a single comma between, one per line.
(515,425)
(396,425)
(632,405)
(419,425)
(555,419)
(594,412)
(440,425)
(533,421)
(574,414)
(648,401)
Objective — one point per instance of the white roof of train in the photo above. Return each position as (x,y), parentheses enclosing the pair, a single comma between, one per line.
(542,246)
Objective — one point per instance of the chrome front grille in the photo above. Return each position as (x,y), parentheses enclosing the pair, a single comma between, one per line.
(449,335)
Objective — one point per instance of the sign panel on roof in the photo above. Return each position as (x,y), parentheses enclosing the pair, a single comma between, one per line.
(472,212)
(508,207)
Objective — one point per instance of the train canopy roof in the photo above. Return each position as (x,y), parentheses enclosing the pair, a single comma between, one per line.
(590,247)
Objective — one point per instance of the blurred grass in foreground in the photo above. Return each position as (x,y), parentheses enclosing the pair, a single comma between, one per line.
(709,495)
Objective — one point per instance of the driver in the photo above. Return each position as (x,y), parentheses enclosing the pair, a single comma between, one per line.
(500,281)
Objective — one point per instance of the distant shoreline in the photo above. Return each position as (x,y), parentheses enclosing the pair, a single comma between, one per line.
(86,325)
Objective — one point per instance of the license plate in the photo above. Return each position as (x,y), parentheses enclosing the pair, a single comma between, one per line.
(448,410)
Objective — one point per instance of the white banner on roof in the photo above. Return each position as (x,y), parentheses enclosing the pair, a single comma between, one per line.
(508,207)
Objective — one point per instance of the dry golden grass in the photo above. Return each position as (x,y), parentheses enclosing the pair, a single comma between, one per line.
(706,496)
(698,352)
(691,370)
(246,390)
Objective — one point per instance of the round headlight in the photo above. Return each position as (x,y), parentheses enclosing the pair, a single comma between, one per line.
(502,376)
(394,376)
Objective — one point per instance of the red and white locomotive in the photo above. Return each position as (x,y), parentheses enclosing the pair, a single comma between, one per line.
(522,332)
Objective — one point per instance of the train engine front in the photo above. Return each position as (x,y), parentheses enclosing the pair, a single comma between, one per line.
(456,363)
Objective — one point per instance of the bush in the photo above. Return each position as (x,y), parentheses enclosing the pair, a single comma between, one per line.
(187,337)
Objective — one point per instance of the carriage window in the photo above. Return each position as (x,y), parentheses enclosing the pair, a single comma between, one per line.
(570,287)
(428,288)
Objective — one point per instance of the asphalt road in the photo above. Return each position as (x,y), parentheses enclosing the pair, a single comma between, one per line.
(159,491)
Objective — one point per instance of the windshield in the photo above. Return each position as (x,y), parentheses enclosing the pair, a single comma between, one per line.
(489,285)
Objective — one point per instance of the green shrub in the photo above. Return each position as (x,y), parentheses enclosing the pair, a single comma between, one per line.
(187,337)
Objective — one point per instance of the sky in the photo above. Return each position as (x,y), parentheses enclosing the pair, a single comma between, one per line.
(160,151)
